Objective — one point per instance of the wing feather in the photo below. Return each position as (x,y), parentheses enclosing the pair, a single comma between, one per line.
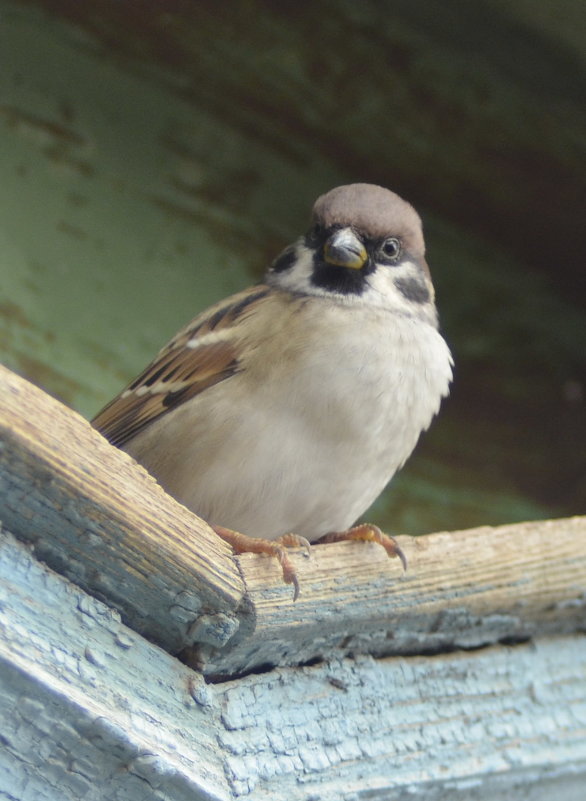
(201,355)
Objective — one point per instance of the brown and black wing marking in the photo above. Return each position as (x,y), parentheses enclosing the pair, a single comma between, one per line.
(200,356)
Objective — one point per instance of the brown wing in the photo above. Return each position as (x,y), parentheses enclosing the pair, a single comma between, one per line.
(181,370)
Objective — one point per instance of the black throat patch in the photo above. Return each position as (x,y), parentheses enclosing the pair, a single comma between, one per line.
(333,278)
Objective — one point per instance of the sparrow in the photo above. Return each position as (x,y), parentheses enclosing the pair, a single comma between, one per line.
(281,413)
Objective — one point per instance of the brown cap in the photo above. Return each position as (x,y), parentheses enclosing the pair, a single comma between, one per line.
(373,211)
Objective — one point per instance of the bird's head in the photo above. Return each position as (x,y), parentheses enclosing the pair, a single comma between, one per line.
(365,246)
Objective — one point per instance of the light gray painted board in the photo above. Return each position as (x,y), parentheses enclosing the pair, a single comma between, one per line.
(89,709)
(504,722)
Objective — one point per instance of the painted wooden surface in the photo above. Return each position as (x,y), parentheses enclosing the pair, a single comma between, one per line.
(92,711)
(99,519)
(89,709)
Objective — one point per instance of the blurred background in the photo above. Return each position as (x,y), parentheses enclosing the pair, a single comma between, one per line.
(156,155)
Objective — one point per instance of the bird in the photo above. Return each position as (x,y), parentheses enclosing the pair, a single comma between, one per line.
(279,414)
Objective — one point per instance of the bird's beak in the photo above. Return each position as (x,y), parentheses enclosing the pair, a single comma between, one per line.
(344,249)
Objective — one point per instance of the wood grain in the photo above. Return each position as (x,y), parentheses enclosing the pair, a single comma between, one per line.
(89,709)
(94,515)
(463,589)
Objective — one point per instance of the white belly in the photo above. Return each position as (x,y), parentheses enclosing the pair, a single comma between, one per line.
(308,443)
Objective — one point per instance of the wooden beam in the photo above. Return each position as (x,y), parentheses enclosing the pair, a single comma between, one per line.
(89,708)
(95,516)
(501,723)
(86,703)
(463,589)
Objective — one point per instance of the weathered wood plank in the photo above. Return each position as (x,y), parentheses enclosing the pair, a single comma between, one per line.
(91,710)
(98,518)
(479,725)
(462,589)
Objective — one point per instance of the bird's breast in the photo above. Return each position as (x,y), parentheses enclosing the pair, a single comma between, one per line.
(306,440)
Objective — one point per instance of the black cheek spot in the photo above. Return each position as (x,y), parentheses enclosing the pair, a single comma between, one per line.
(285,261)
(413,289)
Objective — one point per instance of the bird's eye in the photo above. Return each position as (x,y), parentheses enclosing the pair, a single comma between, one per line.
(391,248)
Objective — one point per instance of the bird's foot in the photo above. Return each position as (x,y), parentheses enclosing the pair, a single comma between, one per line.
(295,541)
(277,548)
(367,532)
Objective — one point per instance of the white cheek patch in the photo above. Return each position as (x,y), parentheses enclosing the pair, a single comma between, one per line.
(381,289)
(401,288)
(298,277)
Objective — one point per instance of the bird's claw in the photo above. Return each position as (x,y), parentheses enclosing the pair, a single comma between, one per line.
(276,548)
(368,532)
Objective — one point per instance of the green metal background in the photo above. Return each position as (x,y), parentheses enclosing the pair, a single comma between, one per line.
(155,156)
